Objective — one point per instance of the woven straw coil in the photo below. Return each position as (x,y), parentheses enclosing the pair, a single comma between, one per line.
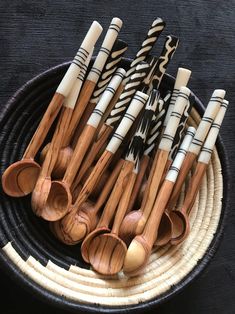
(59,269)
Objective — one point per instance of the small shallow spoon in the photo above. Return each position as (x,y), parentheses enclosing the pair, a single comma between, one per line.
(140,248)
(138,218)
(60,199)
(180,217)
(194,149)
(20,178)
(87,217)
(165,227)
(107,251)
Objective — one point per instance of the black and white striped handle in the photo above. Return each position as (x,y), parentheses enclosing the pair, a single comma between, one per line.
(106,97)
(127,94)
(86,47)
(110,67)
(181,153)
(207,119)
(167,53)
(136,146)
(110,38)
(207,148)
(70,101)
(156,125)
(182,78)
(151,38)
(128,119)
(181,127)
(169,133)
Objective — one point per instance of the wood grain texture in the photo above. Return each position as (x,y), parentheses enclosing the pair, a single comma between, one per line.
(37,35)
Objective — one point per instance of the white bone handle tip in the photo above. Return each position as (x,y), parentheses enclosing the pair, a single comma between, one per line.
(219,93)
(117,21)
(182,77)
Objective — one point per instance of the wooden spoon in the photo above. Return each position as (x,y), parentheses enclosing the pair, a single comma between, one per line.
(19,178)
(165,227)
(194,149)
(138,219)
(140,248)
(180,217)
(83,143)
(87,217)
(106,250)
(60,199)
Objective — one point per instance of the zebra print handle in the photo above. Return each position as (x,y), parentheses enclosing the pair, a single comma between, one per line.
(179,158)
(87,45)
(70,101)
(207,119)
(207,149)
(151,38)
(106,97)
(172,125)
(127,94)
(156,126)
(167,53)
(152,61)
(182,78)
(180,129)
(135,149)
(110,38)
(132,112)
(110,67)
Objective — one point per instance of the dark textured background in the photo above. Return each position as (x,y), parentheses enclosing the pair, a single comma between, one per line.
(36,35)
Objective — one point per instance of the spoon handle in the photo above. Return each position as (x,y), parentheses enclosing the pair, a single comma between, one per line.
(151,227)
(124,201)
(117,192)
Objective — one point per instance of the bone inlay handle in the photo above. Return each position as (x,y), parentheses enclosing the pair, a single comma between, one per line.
(182,78)
(111,36)
(70,101)
(132,112)
(87,45)
(179,158)
(168,136)
(209,144)
(106,97)
(207,119)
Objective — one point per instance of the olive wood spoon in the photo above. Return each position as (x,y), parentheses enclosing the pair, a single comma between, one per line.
(87,217)
(165,227)
(106,250)
(94,74)
(195,147)
(19,178)
(140,248)
(61,198)
(81,149)
(180,217)
(139,218)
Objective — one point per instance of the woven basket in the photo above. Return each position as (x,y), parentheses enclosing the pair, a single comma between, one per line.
(56,272)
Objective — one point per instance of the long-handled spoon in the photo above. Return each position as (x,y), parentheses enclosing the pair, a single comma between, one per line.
(87,217)
(166,225)
(139,219)
(55,187)
(60,199)
(114,118)
(195,147)
(110,68)
(94,74)
(140,248)
(19,178)
(132,158)
(106,250)
(180,217)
